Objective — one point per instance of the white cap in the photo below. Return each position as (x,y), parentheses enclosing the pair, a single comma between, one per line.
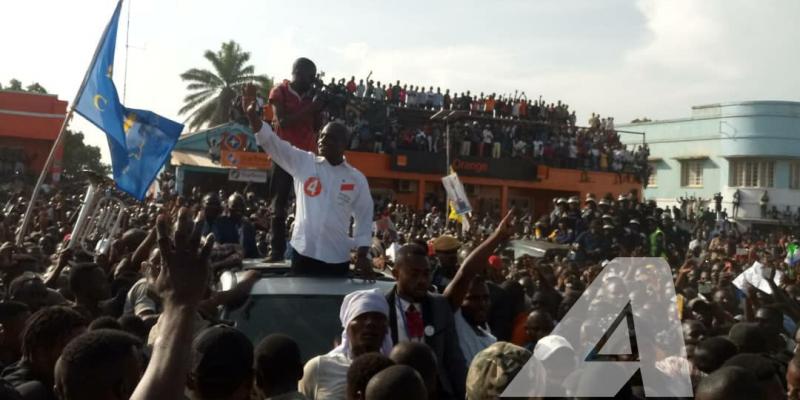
(548,345)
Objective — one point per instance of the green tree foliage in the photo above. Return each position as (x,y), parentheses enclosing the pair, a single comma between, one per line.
(35,87)
(16,85)
(213,91)
(79,156)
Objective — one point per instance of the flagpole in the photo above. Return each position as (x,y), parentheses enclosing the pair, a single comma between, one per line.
(127,49)
(60,138)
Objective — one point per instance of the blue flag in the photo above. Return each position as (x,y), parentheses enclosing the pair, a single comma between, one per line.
(140,141)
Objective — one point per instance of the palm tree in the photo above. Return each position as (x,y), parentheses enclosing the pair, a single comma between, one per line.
(214,91)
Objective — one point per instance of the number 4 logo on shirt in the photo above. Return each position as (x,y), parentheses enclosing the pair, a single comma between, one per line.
(312,187)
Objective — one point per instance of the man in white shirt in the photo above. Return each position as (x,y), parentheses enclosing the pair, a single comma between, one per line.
(616,165)
(486,143)
(379,93)
(421,97)
(430,98)
(573,154)
(411,97)
(595,157)
(329,191)
(469,294)
(538,148)
(360,89)
(519,147)
(438,99)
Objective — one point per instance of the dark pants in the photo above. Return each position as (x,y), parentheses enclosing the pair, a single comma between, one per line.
(302,265)
(280,188)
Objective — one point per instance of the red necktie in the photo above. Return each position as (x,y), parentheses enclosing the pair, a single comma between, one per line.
(414,324)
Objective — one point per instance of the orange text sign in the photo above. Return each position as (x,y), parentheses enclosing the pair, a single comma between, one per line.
(245,159)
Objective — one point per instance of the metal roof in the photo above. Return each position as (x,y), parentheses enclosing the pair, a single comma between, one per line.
(193,158)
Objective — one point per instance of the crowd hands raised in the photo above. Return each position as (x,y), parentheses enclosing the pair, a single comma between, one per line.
(141,318)
(381,119)
(741,341)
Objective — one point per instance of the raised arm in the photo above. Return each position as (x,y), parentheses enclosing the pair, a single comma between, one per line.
(477,261)
(63,260)
(683,271)
(236,296)
(282,152)
(141,252)
(181,283)
(786,303)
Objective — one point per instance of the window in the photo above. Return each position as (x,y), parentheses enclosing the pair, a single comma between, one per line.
(651,180)
(692,173)
(794,175)
(752,173)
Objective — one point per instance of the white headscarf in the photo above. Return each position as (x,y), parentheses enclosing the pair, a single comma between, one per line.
(355,304)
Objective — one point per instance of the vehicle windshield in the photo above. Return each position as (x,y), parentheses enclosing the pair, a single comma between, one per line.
(311,320)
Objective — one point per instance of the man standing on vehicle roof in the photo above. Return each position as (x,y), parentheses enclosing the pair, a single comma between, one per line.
(297,117)
(329,191)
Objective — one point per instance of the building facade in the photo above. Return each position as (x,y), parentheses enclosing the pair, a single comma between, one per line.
(29,124)
(202,160)
(746,150)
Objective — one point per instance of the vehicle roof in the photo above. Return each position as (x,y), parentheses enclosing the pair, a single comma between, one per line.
(277,280)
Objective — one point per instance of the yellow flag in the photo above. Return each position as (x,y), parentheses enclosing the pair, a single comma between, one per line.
(453,216)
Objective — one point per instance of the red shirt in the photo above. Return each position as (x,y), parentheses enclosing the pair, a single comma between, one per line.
(351,87)
(300,133)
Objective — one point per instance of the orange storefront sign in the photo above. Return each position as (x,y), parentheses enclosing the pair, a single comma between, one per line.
(245,159)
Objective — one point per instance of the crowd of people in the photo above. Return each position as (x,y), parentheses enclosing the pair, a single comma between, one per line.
(381,119)
(67,315)
(136,315)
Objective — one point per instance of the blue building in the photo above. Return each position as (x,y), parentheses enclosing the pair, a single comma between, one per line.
(751,147)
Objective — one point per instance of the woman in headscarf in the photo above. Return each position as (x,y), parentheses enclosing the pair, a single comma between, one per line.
(364,315)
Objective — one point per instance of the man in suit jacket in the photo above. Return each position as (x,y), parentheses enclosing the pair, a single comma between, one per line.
(417,315)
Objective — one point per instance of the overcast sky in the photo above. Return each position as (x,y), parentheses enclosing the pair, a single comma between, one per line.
(623,58)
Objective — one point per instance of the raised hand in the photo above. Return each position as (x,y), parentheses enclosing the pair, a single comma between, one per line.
(250,106)
(183,278)
(506,227)
(687,267)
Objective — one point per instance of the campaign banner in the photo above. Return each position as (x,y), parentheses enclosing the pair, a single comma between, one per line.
(245,159)
(456,194)
(247,175)
(757,275)
(233,141)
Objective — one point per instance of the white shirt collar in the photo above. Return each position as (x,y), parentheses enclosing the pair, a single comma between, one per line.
(405,304)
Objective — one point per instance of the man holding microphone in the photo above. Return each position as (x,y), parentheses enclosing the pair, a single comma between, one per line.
(329,191)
